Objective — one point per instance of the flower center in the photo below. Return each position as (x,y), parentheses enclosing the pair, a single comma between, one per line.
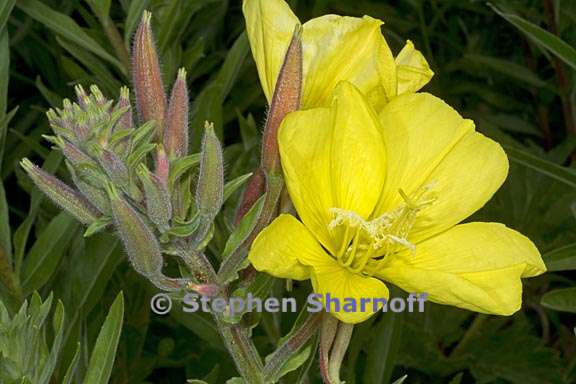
(364,241)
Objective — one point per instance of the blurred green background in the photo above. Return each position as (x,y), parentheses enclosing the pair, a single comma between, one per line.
(509,66)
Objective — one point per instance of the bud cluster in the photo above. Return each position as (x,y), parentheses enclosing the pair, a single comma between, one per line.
(134,176)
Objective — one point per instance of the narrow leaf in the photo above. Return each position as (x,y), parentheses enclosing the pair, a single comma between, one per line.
(104,352)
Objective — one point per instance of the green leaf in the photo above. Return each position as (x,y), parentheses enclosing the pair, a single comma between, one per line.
(182,165)
(65,26)
(133,17)
(457,379)
(244,228)
(5,10)
(233,185)
(381,355)
(101,7)
(208,105)
(53,358)
(552,43)
(401,380)
(561,259)
(507,68)
(105,79)
(89,275)
(104,352)
(44,256)
(199,323)
(5,241)
(67,379)
(563,174)
(560,300)
(512,354)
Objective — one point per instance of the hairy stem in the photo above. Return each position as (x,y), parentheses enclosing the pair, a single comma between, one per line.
(291,346)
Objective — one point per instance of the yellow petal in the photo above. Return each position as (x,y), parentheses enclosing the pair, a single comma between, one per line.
(465,180)
(338,48)
(333,158)
(328,277)
(270,25)
(358,158)
(430,144)
(277,248)
(412,69)
(304,139)
(475,266)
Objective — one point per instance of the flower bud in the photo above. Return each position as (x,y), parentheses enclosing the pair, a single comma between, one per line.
(176,132)
(138,239)
(158,205)
(114,168)
(254,189)
(61,194)
(286,99)
(95,195)
(162,166)
(147,77)
(125,122)
(210,188)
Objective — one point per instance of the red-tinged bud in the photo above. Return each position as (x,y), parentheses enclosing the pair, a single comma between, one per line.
(286,99)
(158,204)
(147,77)
(139,241)
(162,170)
(176,132)
(61,194)
(126,121)
(208,290)
(254,189)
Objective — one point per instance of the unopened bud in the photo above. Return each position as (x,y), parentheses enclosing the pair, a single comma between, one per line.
(95,195)
(158,204)
(176,132)
(138,239)
(210,189)
(286,99)
(254,190)
(147,77)
(125,122)
(162,170)
(61,194)
(114,168)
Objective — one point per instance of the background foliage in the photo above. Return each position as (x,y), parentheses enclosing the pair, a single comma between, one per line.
(509,65)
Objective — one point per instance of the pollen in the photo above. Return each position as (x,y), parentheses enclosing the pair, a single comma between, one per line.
(365,240)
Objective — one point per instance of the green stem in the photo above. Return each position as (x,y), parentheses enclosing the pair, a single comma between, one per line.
(327,334)
(291,346)
(243,351)
(339,351)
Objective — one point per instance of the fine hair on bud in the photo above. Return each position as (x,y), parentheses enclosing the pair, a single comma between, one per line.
(61,194)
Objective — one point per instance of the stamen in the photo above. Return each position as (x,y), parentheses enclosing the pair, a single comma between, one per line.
(379,237)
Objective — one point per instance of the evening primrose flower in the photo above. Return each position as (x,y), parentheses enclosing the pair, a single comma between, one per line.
(335,48)
(379,198)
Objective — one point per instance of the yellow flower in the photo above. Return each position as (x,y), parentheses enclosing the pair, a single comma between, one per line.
(335,48)
(379,199)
